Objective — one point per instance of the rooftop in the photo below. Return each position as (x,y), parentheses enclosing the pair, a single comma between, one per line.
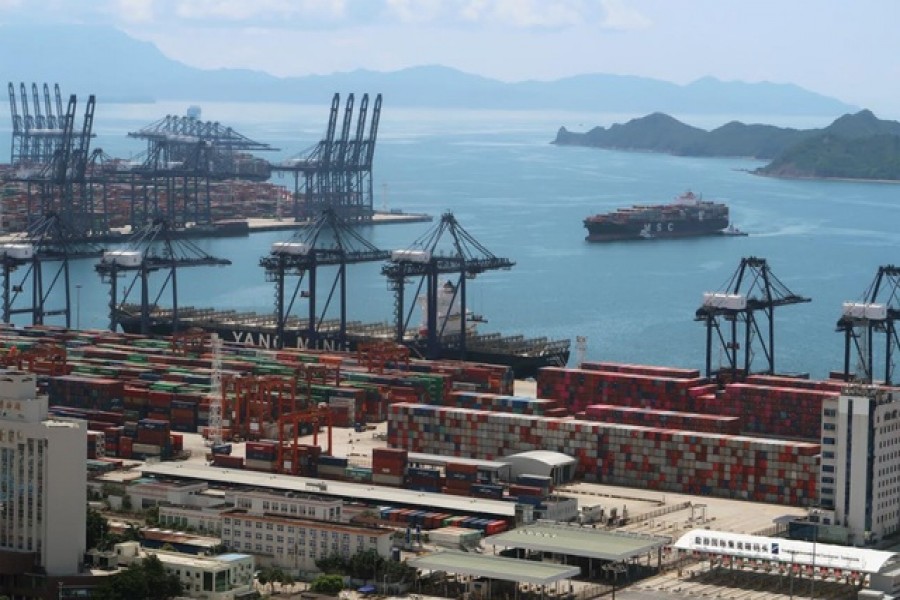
(324,487)
(495,567)
(754,547)
(578,541)
(199,562)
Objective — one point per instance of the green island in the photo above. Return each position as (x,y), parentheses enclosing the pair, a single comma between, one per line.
(854,146)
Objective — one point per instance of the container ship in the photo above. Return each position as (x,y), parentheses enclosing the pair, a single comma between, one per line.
(524,355)
(688,216)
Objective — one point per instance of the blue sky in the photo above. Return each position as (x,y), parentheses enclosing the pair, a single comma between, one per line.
(849,50)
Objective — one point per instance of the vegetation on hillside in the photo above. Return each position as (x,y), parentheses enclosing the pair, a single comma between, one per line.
(857,146)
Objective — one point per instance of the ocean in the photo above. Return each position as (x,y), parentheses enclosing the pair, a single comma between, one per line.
(524,198)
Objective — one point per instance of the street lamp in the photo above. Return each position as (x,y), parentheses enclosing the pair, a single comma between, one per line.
(78,306)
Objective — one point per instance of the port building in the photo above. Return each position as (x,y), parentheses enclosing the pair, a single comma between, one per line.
(222,577)
(860,470)
(42,482)
(794,557)
(340,489)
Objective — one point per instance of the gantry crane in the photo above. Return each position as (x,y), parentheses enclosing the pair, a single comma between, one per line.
(328,241)
(752,289)
(183,156)
(34,138)
(41,256)
(289,425)
(58,168)
(255,401)
(876,313)
(446,249)
(336,173)
(149,250)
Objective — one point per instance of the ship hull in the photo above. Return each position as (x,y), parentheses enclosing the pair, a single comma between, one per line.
(523,364)
(650,230)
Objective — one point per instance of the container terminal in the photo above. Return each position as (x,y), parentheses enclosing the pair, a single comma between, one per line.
(201,176)
(66,199)
(664,479)
(648,471)
(204,428)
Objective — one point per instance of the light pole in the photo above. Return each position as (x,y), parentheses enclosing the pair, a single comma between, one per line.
(78,306)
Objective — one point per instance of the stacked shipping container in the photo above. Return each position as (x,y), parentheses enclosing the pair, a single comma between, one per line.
(765,406)
(686,462)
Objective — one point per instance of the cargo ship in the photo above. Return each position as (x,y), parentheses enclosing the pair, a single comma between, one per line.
(688,216)
(524,355)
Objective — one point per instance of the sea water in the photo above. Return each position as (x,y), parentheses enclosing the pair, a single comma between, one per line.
(524,198)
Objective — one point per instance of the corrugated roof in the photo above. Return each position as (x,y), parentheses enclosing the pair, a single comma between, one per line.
(755,547)
(575,540)
(325,487)
(495,567)
(546,456)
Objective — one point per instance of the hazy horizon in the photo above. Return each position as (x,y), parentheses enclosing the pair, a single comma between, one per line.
(843,50)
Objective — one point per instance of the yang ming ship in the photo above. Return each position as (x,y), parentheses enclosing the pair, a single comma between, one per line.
(688,216)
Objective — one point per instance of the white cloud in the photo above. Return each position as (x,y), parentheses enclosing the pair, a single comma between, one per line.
(417,11)
(537,13)
(134,11)
(621,17)
(259,10)
(505,13)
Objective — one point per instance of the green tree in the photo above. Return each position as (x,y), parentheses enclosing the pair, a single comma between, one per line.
(364,565)
(96,528)
(146,579)
(334,563)
(161,585)
(328,584)
(151,516)
(124,585)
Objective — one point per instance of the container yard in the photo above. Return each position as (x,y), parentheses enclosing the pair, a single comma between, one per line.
(628,425)
(646,441)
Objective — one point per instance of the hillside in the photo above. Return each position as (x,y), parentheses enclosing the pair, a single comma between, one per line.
(101,60)
(854,146)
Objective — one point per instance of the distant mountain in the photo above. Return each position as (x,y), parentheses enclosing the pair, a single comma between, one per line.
(854,146)
(659,132)
(113,66)
(859,146)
